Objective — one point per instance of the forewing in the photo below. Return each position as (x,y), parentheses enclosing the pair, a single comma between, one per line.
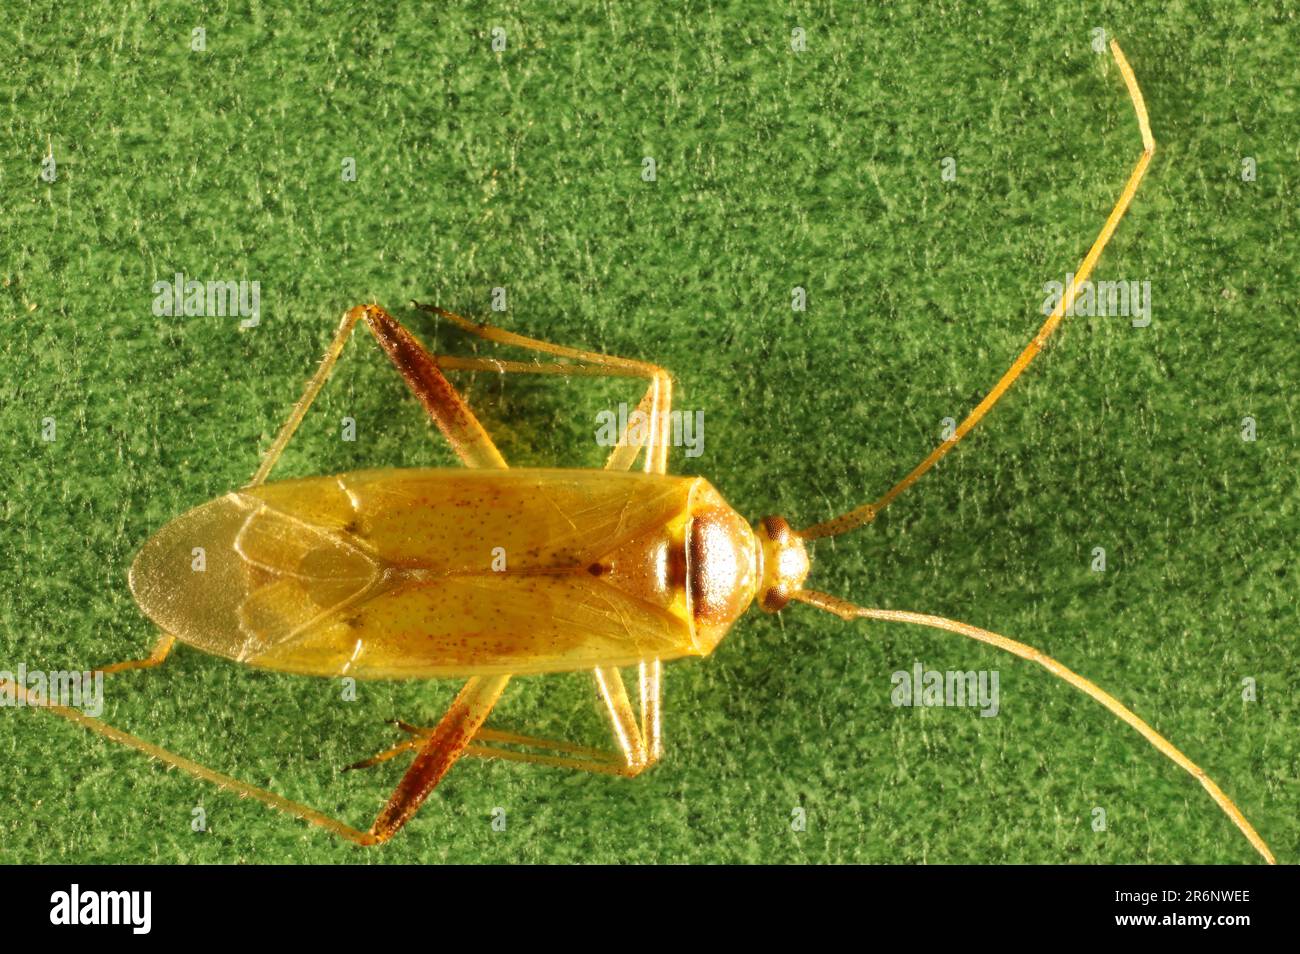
(414,573)
(485,624)
(455,521)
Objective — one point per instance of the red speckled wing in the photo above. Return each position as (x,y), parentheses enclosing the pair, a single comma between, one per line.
(423,573)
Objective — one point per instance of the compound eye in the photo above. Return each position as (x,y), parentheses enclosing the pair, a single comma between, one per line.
(774,599)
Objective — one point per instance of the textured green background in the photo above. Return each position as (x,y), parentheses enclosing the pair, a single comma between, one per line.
(522,169)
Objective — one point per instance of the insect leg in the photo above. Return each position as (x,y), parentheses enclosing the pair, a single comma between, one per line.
(196,769)
(576,756)
(443,747)
(314,385)
(607,766)
(161,650)
(635,755)
(501,336)
(420,371)
(627,728)
(655,405)
(637,748)
(650,678)
(441,400)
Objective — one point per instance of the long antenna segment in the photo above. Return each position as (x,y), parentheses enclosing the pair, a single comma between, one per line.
(867,512)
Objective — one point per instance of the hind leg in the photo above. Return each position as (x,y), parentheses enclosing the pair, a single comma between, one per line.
(161,650)
(638,740)
(443,747)
(418,369)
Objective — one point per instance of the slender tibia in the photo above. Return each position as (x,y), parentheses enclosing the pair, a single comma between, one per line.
(161,650)
(419,736)
(190,767)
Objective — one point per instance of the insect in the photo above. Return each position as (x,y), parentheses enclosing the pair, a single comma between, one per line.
(386,574)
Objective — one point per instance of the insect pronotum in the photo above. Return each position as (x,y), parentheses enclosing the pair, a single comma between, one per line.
(380,574)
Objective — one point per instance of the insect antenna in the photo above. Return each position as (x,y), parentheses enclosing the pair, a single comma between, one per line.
(867,512)
(847,611)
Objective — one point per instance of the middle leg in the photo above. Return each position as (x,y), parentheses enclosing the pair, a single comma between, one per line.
(637,749)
